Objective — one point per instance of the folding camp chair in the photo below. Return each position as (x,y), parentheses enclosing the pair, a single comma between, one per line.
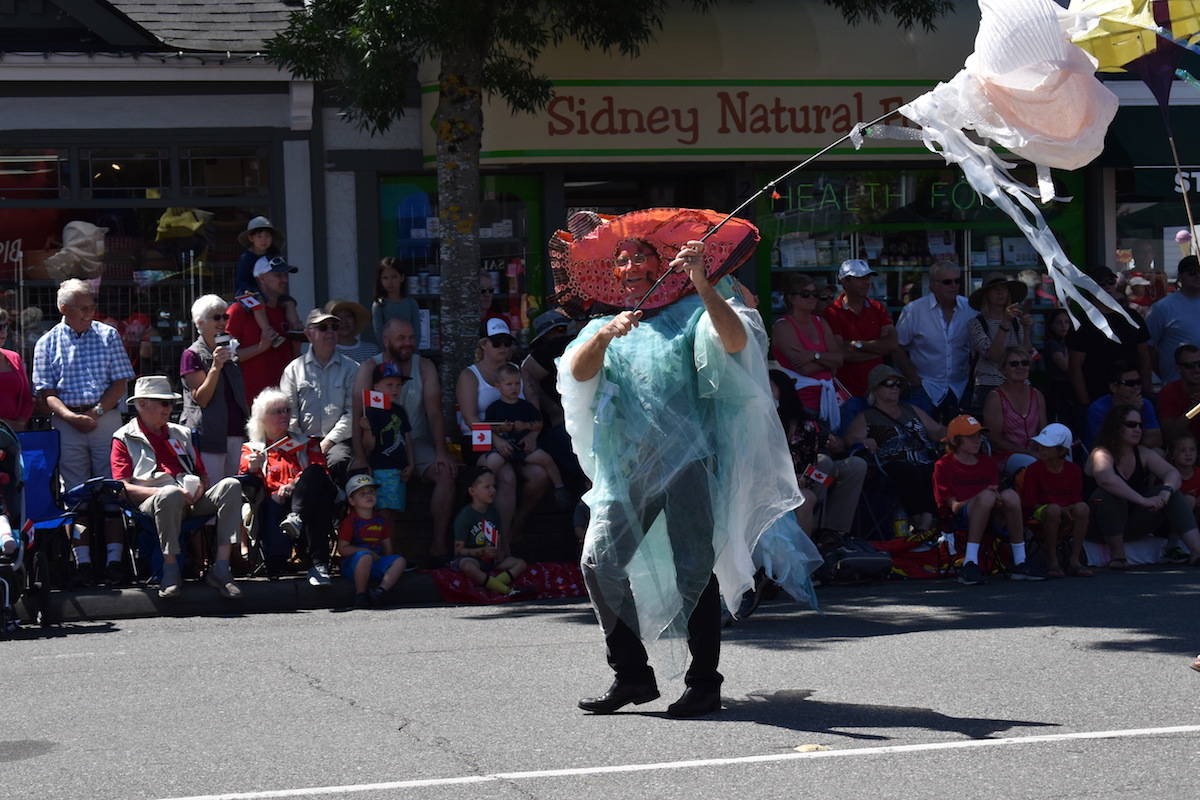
(51,539)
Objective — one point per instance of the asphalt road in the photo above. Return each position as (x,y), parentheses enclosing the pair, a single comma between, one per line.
(912,689)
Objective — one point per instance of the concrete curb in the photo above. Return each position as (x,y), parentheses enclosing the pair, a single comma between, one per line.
(259,596)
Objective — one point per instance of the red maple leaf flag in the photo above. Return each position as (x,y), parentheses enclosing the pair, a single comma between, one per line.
(481,437)
(249,302)
(179,447)
(372,399)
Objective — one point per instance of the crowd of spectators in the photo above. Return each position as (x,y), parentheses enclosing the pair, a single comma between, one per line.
(946,418)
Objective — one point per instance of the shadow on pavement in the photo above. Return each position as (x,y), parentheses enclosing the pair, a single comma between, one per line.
(794,709)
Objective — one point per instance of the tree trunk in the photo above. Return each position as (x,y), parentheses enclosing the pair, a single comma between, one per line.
(458,124)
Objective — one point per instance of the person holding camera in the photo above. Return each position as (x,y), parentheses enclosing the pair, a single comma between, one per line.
(1003,322)
(214,396)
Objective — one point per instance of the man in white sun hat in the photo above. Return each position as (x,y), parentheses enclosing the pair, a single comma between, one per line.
(165,478)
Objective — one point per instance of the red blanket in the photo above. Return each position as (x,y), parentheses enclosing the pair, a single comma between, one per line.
(541,581)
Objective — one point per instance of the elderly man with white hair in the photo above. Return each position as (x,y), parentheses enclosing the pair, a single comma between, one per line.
(164,476)
(214,395)
(80,369)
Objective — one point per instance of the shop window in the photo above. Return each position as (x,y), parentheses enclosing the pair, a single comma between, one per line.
(33,174)
(223,171)
(149,265)
(129,174)
(1149,214)
(903,221)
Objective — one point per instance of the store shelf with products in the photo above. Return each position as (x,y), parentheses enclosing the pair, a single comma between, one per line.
(902,221)
(509,241)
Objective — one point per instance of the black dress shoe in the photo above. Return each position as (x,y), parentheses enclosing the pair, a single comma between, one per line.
(618,696)
(695,703)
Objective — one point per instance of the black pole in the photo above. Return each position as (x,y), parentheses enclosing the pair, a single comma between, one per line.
(769,186)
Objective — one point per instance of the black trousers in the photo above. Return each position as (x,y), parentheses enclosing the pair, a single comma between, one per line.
(688,510)
(312,501)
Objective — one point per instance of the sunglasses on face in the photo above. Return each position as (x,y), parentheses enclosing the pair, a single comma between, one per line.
(1129,384)
(950,281)
(485,291)
(805,294)
(163,403)
(1131,424)
(1188,364)
(325,327)
(825,298)
(1019,363)
(219,317)
(502,340)
(637,260)
(891,384)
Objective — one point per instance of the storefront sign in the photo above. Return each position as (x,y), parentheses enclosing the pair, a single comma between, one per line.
(684,120)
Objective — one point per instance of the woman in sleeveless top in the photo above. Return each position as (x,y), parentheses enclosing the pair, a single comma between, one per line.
(803,342)
(1014,413)
(1137,490)
(900,440)
(475,391)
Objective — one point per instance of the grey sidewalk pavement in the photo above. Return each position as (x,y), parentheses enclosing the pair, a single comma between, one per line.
(259,595)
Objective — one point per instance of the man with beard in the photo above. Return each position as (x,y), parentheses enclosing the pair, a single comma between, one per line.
(421,396)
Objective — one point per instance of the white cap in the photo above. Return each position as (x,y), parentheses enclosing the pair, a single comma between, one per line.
(497,327)
(855,268)
(1055,435)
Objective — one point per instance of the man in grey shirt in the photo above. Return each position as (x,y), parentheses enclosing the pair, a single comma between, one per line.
(320,388)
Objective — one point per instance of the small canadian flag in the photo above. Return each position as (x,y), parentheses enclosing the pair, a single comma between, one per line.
(249,302)
(378,400)
(481,437)
(179,447)
(817,476)
(292,444)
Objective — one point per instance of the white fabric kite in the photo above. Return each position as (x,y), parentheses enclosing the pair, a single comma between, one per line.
(1029,89)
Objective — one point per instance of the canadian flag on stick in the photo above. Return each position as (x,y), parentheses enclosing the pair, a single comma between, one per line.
(376,400)
(481,437)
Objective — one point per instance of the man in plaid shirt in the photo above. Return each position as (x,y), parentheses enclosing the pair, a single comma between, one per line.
(80,369)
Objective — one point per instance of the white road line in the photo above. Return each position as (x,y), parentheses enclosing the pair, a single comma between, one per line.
(314,791)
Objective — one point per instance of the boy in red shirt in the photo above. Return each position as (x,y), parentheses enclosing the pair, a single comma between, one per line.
(967,485)
(1052,493)
(365,544)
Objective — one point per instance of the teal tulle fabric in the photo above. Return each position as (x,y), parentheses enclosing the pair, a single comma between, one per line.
(688,462)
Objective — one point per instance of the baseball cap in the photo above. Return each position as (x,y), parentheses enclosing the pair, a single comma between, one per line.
(317,316)
(547,321)
(271,264)
(496,327)
(855,268)
(963,425)
(1055,435)
(357,482)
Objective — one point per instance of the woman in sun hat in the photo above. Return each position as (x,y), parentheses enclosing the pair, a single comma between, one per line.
(1002,322)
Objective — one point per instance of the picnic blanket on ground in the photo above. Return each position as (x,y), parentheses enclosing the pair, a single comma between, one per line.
(542,581)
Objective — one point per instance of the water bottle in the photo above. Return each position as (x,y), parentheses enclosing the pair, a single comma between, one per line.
(900,524)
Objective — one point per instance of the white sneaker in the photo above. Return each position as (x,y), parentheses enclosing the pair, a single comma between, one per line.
(319,575)
(291,525)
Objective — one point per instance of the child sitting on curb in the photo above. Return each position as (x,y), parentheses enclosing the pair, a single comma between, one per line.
(966,484)
(1052,494)
(478,552)
(365,545)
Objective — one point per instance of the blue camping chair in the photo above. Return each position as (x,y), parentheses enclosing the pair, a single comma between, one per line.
(40,456)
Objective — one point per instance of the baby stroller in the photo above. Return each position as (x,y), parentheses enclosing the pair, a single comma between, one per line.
(16,569)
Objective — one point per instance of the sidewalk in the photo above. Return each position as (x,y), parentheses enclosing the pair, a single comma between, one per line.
(259,596)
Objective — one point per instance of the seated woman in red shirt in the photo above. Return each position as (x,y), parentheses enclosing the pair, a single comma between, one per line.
(16,397)
(300,491)
(966,483)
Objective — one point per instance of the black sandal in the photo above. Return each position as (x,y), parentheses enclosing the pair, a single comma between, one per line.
(1114,562)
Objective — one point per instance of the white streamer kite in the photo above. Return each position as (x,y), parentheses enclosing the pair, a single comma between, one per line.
(1029,89)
